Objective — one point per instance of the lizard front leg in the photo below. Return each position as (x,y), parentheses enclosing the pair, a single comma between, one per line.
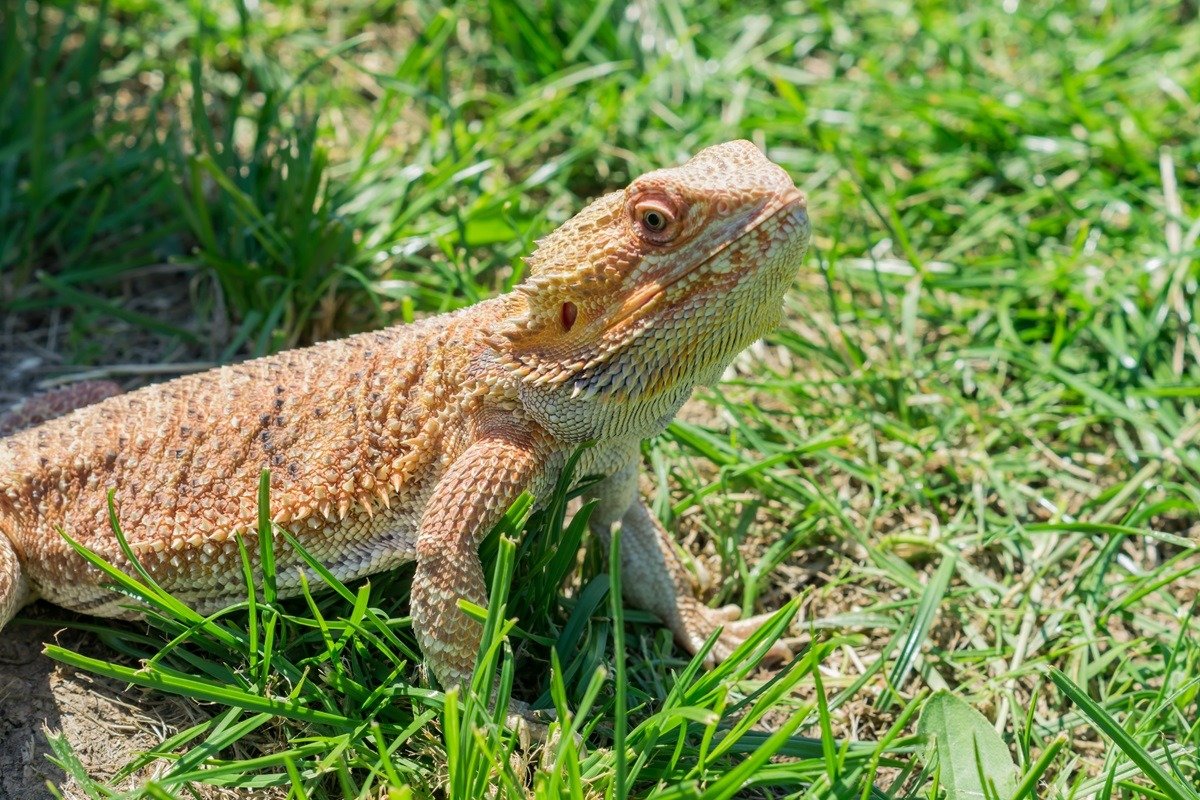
(653,579)
(470,498)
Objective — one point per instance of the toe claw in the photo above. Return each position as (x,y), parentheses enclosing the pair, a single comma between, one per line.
(728,613)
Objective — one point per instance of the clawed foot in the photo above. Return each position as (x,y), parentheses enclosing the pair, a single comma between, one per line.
(535,732)
(699,621)
(531,725)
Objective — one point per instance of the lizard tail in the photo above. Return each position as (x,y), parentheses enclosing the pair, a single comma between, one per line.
(55,403)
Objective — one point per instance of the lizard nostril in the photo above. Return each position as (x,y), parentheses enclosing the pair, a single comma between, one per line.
(569,312)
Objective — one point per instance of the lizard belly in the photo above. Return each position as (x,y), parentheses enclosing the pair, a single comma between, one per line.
(208,577)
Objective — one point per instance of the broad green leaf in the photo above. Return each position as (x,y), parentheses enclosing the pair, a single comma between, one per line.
(975,762)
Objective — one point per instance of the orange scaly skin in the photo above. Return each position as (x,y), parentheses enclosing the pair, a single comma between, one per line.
(409,443)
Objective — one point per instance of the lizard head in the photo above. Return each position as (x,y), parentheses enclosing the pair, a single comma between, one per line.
(650,291)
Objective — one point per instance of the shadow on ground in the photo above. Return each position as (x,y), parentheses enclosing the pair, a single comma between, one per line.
(106,722)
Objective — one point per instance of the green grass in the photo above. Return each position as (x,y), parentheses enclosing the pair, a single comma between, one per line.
(969,456)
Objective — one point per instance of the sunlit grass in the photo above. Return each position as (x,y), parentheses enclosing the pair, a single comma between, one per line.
(967,460)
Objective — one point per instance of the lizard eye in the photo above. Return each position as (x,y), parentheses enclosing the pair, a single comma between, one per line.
(656,220)
(569,313)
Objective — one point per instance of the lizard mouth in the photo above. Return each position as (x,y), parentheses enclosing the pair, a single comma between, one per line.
(790,213)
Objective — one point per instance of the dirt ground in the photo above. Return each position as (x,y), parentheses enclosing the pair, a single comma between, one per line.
(107,723)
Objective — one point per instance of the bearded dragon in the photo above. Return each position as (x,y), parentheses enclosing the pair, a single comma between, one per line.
(410,443)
